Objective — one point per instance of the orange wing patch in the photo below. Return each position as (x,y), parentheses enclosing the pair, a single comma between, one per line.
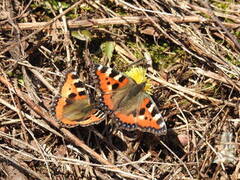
(109,80)
(146,118)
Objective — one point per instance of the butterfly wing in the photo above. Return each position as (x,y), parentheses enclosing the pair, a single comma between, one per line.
(110,82)
(73,107)
(143,115)
(130,105)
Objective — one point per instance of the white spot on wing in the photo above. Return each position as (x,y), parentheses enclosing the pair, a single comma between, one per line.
(150,109)
(75,80)
(118,76)
(163,126)
(99,67)
(108,71)
(157,117)
(110,87)
(80,89)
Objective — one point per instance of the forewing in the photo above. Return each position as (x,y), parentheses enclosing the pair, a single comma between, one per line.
(113,85)
(72,107)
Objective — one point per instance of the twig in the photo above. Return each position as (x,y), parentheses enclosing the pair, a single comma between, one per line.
(21,167)
(191,92)
(217,77)
(104,21)
(41,28)
(217,21)
(110,21)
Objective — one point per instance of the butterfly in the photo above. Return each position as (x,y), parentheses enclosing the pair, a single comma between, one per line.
(128,103)
(72,106)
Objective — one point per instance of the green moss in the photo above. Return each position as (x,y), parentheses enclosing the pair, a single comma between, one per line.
(48,6)
(237,34)
(86,7)
(164,54)
(233,60)
(223,5)
(135,50)
(209,86)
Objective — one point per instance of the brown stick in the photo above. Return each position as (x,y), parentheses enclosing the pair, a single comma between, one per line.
(40,29)
(22,167)
(109,21)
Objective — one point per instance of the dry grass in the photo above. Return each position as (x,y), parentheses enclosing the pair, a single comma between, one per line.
(194,54)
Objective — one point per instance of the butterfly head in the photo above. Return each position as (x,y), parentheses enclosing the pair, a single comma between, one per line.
(138,74)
